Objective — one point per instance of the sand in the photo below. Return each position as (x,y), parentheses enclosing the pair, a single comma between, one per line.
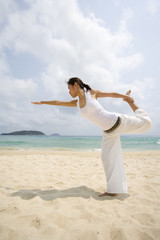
(48,195)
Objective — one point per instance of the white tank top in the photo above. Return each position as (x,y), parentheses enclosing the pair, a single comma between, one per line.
(94,112)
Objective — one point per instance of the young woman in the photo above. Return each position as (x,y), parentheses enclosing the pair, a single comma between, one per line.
(112,125)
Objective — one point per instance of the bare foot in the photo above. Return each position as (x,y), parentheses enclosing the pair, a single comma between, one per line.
(130,101)
(128,94)
(108,194)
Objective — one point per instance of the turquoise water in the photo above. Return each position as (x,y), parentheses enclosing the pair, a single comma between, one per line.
(129,143)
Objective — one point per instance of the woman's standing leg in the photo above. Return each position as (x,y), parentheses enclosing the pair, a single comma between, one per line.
(111,155)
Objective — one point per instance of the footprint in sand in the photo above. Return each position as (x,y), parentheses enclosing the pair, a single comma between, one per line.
(11,210)
(118,234)
(36,223)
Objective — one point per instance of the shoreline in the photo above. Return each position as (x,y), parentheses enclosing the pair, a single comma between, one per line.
(130,150)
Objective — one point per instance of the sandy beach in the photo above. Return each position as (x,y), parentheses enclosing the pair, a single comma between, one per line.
(53,195)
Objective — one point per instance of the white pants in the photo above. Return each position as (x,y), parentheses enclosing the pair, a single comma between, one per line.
(111,153)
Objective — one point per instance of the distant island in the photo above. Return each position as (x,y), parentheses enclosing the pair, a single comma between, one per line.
(25,132)
(55,135)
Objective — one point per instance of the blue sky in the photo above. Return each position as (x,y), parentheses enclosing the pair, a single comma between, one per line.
(111,45)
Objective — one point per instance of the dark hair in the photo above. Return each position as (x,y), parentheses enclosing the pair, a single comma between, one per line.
(79,82)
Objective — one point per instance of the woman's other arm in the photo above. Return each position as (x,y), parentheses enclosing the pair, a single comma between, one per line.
(100,94)
(58,103)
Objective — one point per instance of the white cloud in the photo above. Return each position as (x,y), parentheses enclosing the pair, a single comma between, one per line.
(68,44)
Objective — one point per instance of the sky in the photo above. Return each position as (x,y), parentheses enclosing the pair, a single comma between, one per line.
(112,45)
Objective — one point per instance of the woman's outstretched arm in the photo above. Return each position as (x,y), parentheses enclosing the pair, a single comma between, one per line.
(99,94)
(58,103)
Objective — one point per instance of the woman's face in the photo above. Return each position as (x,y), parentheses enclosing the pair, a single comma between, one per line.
(72,90)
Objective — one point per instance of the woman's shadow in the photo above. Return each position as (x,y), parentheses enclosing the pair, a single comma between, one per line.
(50,195)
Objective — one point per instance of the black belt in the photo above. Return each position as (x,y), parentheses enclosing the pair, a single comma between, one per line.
(116,125)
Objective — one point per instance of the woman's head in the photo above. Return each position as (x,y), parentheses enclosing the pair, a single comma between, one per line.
(75,83)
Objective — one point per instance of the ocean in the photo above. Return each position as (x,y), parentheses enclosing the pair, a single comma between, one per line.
(80,143)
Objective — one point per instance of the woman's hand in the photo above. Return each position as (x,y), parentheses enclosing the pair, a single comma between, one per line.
(128,99)
(38,103)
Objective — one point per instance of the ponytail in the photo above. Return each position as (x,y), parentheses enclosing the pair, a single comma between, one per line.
(82,85)
(86,86)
